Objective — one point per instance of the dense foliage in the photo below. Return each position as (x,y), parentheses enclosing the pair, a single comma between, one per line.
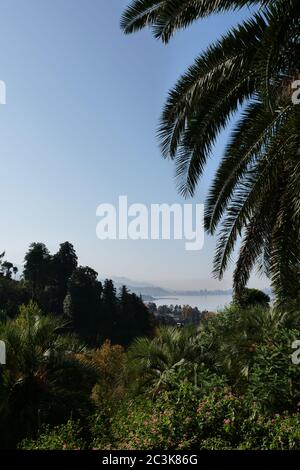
(92,310)
(229,383)
(89,368)
(39,382)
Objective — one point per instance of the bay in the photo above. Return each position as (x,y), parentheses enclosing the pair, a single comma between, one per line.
(210,302)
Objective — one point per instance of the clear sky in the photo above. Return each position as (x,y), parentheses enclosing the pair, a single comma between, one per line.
(78,129)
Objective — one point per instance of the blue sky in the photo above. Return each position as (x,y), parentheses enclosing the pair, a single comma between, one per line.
(78,129)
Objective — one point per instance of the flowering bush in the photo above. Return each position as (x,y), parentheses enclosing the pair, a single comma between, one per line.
(278,432)
(182,419)
(186,420)
(64,437)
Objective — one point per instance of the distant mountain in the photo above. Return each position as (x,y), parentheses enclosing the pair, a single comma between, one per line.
(139,288)
(125,281)
(151,292)
(156,292)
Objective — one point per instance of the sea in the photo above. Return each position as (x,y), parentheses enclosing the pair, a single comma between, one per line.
(211,303)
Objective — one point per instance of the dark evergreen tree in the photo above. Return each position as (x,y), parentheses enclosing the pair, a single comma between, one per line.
(59,287)
(63,264)
(109,293)
(134,318)
(110,310)
(7,269)
(82,304)
(13,294)
(37,268)
(125,324)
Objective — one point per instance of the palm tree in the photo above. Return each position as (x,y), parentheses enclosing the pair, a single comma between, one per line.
(41,372)
(152,363)
(224,345)
(248,74)
(231,339)
(7,267)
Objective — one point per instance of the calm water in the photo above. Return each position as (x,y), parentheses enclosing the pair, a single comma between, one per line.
(210,302)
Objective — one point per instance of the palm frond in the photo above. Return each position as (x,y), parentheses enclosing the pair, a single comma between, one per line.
(167,16)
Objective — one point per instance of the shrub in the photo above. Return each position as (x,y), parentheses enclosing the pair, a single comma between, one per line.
(182,419)
(251,297)
(274,381)
(278,432)
(63,437)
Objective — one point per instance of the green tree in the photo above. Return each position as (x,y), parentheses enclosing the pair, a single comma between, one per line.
(39,381)
(152,307)
(133,318)
(83,303)
(109,390)
(63,264)
(231,339)
(110,318)
(13,294)
(109,293)
(7,268)
(153,363)
(256,190)
(37,268)
(251,297)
